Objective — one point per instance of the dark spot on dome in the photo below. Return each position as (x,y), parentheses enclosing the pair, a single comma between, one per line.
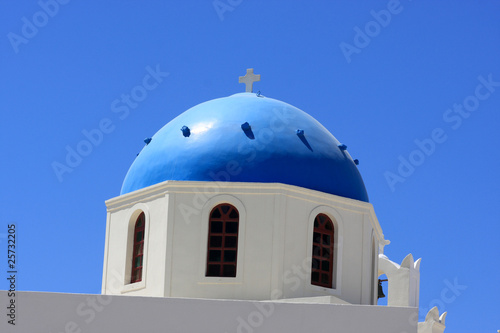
(300,134)
(186,131)
(247,129)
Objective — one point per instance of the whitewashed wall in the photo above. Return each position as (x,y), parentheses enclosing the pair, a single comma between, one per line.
(274,250)
(53,312)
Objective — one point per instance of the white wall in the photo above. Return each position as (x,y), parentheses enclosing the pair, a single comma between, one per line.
(274,250)
(53,312)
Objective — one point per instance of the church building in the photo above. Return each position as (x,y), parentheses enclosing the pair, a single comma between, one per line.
(245,214)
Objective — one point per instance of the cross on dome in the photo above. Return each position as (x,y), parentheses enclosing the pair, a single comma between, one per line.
(249,79)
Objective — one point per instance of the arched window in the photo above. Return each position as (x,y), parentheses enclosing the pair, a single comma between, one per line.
(374,271)
(322,251)
(138,249)
(222,250)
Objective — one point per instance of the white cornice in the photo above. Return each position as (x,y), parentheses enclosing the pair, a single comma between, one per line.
(194,187)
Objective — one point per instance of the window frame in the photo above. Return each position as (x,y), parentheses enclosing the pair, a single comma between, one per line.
(126,277)
(217,241)
(208,205)
(338,225)
(135,253)
(323,243)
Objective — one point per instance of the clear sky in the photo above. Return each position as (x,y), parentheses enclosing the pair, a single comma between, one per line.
(411,87)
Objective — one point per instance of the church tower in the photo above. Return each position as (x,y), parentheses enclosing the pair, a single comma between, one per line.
(243,197)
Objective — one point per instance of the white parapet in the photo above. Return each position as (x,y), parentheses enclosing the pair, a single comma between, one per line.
(403,280)
(434,323)
(55,312)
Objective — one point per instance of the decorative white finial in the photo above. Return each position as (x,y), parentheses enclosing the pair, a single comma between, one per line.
(249,79)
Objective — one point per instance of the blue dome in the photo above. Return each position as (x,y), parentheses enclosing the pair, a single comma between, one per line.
(247,138)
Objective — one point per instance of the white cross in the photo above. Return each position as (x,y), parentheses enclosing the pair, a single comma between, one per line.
(249,79)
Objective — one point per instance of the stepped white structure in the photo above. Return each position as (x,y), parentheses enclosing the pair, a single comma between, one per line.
(242,214)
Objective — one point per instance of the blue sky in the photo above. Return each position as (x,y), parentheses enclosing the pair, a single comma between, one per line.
(411,87)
